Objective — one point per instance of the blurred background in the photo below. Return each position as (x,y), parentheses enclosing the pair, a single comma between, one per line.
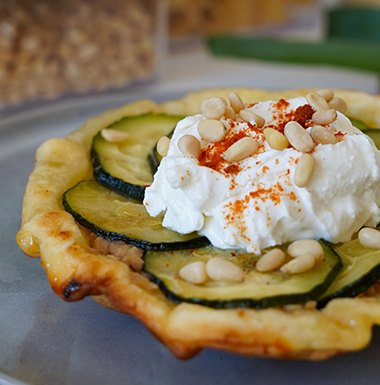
(51,49)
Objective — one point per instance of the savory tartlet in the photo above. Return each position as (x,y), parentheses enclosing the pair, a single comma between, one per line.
(97,256)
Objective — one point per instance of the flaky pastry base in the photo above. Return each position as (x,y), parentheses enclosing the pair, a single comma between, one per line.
(74,270)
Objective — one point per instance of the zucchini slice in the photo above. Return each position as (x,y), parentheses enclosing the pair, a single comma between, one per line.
(258,290)
(154,158)
(361,270)
(358,123)
(124,166)
(374,134)
(117,218)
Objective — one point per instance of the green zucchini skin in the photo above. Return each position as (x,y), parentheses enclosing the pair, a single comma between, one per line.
(358,124)
(128,167)
(247,302)
(362,277)
(101,217)
(118,185)
(374,134)
(154,158)
(353,289)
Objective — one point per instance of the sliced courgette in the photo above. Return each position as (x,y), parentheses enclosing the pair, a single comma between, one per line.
(358,123)
(361,270)
(374,134)
(124,166)
(154,158)
(116,217)
(258,290)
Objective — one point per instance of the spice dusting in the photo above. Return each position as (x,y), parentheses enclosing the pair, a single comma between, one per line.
(302,114)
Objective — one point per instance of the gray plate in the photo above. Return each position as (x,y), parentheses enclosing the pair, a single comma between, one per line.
(44,340)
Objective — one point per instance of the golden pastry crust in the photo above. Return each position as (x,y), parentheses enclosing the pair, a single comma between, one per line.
(75,269)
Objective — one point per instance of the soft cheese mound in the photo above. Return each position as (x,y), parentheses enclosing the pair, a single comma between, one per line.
(254,203)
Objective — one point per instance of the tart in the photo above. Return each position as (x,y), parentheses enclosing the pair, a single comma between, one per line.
(117,264)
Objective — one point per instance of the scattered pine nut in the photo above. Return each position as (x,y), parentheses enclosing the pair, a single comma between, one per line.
(322,135)
(310,305)
(230,113)
(317,101)
(306,246)
(194,272)
(324,116)
(270,261)
(113,136)
(298,137)
(304,170)
(213,108)
(220,269)
(236,102)
(291,308)
(299,265)
(163,145)
(190,146)
(249,115)
(223,100)
(241,149)
(338,104)
(275,139)
(327,94)
(369,237)
(211,130)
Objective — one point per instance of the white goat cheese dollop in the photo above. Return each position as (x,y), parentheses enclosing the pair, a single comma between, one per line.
(253,204)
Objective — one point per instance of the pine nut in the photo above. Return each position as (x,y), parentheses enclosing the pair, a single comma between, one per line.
(291,308)
(304,170)
(230,113)
(322,135)
(299,265)
(306,246)
(220,269)
(310,305)
(213,108)
(114,136)
(338,104)
(327,94)
(223,100)
(194,272)
(369,237)
(236,102)
(249,115)
(318,102)
(241,149)
(211,130)
(276,139)
(190,146)
(271,260)
(298,137)
(163,145)
(324,116)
